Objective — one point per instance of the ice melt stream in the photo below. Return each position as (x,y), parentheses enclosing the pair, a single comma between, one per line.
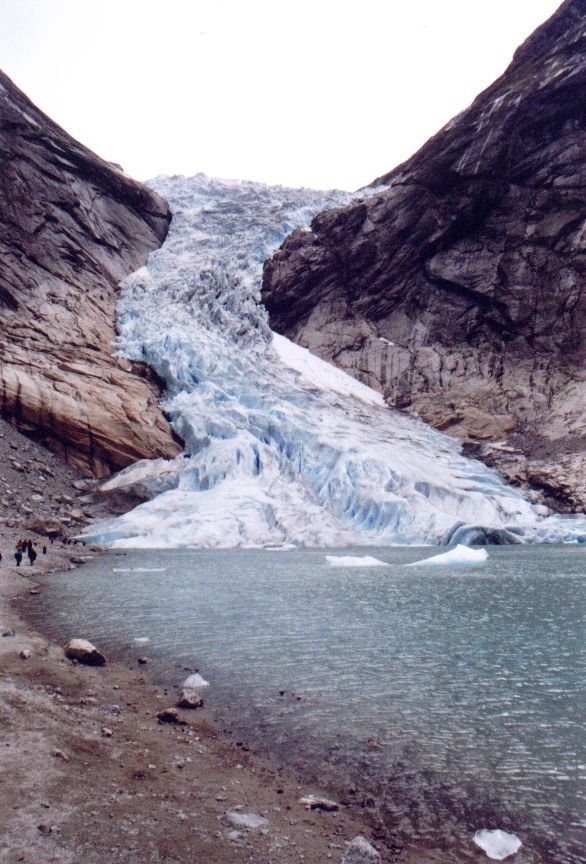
(280,447)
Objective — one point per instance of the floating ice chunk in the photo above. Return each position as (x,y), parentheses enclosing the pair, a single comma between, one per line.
(351,561)
(194,682)
(139,570)
(142,640)
(497,844)
(461,555)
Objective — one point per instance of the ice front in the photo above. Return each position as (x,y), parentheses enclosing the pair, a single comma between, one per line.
(280,447)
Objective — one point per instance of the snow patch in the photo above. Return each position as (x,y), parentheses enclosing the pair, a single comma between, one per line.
(322,374)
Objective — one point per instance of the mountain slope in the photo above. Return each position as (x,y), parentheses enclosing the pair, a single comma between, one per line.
(71,227)
(457,290)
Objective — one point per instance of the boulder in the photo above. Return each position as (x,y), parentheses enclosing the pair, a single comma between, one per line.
(360,851)
(84,652)
(190,699)
(170,715)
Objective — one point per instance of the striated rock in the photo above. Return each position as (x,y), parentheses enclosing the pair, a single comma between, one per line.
(456,288)
(84,652)
(71,227)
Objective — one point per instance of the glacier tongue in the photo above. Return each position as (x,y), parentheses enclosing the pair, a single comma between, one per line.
(280,447)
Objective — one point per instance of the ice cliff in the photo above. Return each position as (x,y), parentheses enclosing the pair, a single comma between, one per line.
(280,447)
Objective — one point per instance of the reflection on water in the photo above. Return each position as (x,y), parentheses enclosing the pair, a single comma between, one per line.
(452,697)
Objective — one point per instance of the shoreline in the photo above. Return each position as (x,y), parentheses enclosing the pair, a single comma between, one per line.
(89,770)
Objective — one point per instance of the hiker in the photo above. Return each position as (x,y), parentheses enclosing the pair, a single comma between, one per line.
(31,554)
(44,550)
(18,556)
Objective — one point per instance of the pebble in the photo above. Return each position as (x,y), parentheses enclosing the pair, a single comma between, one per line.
(59,754)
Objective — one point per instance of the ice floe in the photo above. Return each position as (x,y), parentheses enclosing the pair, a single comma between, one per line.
(497,844)
(460,556)
(354,561)
(195,681)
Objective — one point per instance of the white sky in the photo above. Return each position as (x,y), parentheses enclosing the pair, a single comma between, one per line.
(303,93)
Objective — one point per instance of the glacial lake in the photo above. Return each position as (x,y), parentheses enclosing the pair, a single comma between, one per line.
(445,699)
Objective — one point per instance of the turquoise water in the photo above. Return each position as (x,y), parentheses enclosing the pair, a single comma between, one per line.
(452,698)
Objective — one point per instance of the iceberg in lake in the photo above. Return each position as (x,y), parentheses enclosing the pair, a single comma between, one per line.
(354,561)
(280,447)
(195,682)
(461,555)
(497,844)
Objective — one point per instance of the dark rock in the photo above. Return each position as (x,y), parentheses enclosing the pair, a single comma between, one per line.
(170,715)
(71,227)
(478,535)
(190,699)
(84,652)
(457,290)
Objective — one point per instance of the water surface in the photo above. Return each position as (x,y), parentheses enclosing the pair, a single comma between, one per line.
(451,697)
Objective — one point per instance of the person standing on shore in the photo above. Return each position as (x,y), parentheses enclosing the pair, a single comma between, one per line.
(18,556)
(32,555)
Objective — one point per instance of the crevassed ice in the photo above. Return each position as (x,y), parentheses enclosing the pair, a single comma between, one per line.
(280,447)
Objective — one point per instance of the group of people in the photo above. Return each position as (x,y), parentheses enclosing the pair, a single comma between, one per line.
(26,547)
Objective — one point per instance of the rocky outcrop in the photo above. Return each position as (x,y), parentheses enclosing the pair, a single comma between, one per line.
(71,227)
(456,286)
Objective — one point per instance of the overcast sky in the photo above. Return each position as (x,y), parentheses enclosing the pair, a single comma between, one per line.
(322,93)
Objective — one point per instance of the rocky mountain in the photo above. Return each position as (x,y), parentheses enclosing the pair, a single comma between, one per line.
(456,288)
(71,227)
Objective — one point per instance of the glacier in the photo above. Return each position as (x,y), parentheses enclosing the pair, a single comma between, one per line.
(280,447)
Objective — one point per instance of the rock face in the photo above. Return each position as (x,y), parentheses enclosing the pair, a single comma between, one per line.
(71,227)
(457,287)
